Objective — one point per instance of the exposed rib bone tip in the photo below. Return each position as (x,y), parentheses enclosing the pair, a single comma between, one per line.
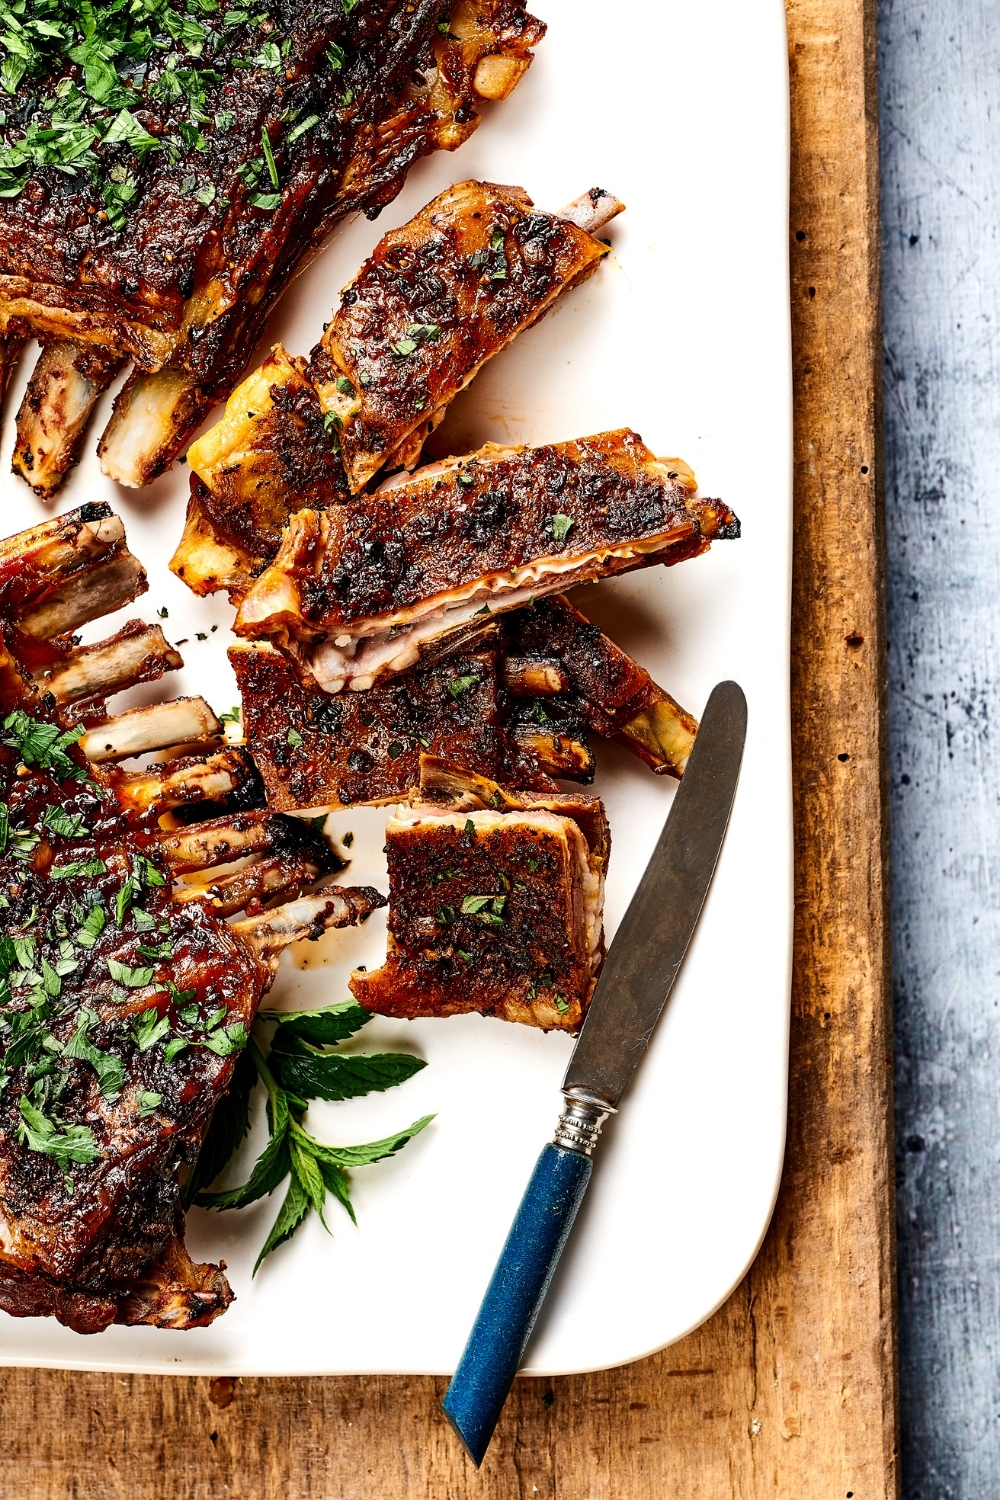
(592,210)
(183,721)
(308,917)
(54,412)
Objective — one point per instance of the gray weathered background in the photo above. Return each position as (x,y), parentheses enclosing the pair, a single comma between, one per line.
(940,120)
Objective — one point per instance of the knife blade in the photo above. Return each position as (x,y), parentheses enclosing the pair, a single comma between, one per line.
(635,984)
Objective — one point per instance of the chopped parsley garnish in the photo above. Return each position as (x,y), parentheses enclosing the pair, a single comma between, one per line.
(561,527)
(232,716)
(93,925)
(294,739)
(150,1028)
(109,1068)
(488,909)
(67,825)
(131,978)
(268,149)
(71,1143)
(302,127)
(460,685)
(43,745)
(78,867)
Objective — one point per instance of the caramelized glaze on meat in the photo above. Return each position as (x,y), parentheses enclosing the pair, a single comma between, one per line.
(174,254)
(123,1004)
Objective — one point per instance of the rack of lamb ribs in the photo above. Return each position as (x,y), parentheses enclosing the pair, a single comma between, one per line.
(436,300)
(165,174)
(124,997)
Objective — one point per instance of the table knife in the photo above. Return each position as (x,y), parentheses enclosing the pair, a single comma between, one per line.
(638,975)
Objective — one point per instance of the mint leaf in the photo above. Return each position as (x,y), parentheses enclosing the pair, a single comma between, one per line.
(362,1156)
(147,1102)
(290,1215)
(334,1023)
(230,1123)
(343,1077)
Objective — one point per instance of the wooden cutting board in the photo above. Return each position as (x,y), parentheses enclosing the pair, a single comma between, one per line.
(789,1390)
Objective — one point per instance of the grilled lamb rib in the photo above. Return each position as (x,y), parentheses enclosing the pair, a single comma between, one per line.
(364,589)
(495,905)
(513,705)
(163,175)
(123,999)
(437,298)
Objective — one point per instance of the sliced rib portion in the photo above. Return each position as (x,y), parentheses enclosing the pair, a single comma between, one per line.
(361,591)
(437,298)
(64,572)
(604,688)
(316,751)
(493,911)
(55,410)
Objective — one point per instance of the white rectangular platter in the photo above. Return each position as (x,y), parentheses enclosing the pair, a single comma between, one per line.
(681,110)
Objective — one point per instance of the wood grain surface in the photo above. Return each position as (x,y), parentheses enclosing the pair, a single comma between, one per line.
(789,1390)
(941,210)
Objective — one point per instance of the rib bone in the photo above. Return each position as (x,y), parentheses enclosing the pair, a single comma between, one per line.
(280,876)
(55,409)
(99,590)
(153,414)
(218,842)
(308,917)
(192,779)
(138,653)
(593,210)
(155,727)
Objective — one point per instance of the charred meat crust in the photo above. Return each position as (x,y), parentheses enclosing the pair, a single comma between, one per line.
(522,954)
(435,300)
(122,1007)
(316,751)
(477,523)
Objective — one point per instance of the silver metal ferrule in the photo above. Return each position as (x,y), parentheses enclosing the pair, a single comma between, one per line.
(580,1124)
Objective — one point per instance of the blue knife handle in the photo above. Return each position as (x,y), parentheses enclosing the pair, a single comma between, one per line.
(486,1371)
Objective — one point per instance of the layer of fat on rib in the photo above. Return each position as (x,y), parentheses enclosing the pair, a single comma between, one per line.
(588,884)
(358,660)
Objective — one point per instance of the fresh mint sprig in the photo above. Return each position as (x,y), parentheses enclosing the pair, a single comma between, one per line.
(298,1067)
